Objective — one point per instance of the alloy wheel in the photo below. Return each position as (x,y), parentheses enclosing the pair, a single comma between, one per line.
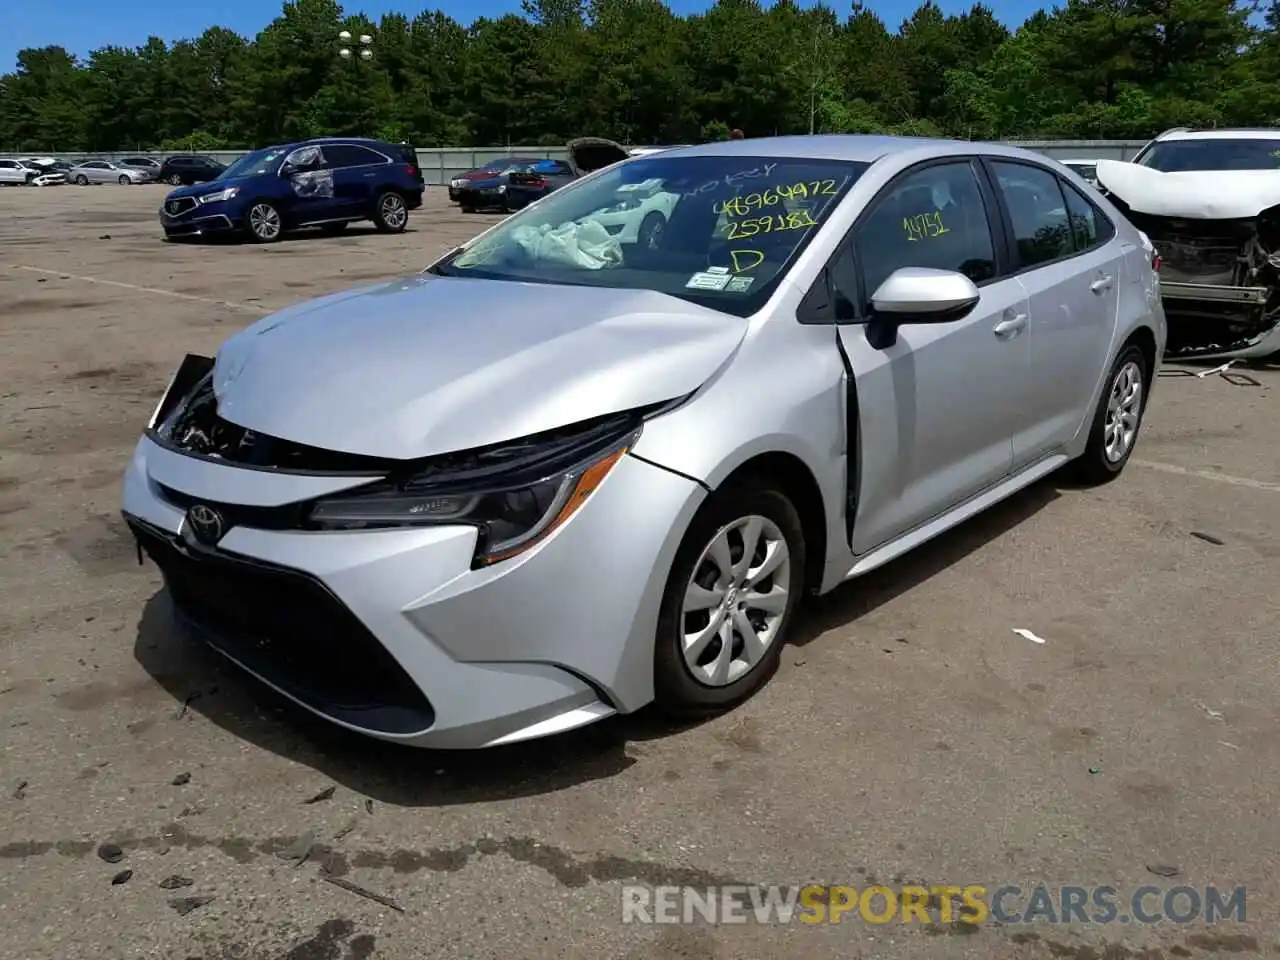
(1124,410)
(175,179)
(735,601)
(394,212)
(264,221)
(651,232)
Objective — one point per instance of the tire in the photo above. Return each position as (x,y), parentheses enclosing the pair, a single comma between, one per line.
(263,222)
(390,213)
(650,231)
(706,683)
(82,180)
(1111,442)
(124,181)
(175,179)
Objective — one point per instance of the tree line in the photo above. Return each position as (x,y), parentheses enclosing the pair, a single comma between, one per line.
(634,71)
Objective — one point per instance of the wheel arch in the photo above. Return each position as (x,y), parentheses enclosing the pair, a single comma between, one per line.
(791,476)
(1144,339)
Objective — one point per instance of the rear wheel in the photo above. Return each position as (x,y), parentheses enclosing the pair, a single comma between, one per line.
(391,215)
(263,222)
(175,179)
(733,587)
(82,180)
(1117,420)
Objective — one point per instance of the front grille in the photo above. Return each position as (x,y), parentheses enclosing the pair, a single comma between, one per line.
(176,208)
(1204,251)
(288,628)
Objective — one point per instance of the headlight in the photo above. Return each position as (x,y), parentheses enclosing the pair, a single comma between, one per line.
(225,194)
(515,494)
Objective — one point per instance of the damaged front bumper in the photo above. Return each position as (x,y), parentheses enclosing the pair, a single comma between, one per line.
(1219,284)
(1219,321)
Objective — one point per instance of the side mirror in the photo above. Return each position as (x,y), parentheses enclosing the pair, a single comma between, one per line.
(918,295)
(287,169)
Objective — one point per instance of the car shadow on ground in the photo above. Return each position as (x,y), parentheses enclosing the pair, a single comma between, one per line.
(293,236)
(202,682)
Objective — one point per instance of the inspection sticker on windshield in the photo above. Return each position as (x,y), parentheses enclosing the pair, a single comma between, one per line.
(708,281)
(739,284)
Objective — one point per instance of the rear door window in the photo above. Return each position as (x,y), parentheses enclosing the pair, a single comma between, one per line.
(1037,211)
(350,155)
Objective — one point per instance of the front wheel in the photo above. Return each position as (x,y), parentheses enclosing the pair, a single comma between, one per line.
(82,180)
(1116,421)
(735,582)
(650,232)
(124,181)
(175,179)
(391,215)
(264,223)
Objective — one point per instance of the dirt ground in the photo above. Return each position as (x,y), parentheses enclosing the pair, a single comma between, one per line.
(910,736)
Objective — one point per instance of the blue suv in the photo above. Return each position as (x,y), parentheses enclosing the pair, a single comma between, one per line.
(325,183)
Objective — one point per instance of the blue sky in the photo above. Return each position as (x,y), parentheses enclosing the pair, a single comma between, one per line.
(82,25)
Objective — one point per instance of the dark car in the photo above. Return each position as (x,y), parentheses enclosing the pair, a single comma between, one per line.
(519,185)
(189,169)
(326,183)
(461,184)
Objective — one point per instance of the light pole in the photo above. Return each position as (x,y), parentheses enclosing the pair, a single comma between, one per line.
(366,46)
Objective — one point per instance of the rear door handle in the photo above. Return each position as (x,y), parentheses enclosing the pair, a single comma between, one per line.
(1102,284)
(1012,325)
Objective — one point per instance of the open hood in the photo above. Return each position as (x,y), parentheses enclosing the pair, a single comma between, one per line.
(428,365)
(1194,194)
(587,154)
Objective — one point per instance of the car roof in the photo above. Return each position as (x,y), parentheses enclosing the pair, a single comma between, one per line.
(854,147)
(1242,133)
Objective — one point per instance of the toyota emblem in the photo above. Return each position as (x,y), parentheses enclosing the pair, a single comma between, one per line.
(205,524)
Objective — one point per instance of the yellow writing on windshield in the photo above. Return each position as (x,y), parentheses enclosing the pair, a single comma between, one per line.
(744,204)
(796,220)
(924,225)
(744,260)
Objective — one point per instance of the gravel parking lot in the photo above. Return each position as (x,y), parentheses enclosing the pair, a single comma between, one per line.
(910,736)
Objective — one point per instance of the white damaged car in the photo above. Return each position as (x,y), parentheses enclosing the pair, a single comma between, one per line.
(1210,202)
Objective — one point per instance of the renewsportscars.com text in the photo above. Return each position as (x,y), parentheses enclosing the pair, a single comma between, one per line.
(975,904)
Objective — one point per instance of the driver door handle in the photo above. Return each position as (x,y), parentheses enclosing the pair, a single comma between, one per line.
(1012,325)
(1102,284)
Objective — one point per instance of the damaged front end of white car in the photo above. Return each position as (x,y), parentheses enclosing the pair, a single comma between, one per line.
(1217,233)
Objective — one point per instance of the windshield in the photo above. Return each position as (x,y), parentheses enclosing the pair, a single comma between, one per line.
(716,230)
(252,164)
(1173,156)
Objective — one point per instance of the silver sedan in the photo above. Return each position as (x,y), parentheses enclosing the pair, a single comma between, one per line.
(106,171)
(559,475)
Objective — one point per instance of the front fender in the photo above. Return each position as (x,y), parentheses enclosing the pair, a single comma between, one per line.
(784,393)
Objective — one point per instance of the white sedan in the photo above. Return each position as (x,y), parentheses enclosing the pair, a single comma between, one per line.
(106,171)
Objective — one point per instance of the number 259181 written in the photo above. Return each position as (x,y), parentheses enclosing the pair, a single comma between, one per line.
(740,229)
